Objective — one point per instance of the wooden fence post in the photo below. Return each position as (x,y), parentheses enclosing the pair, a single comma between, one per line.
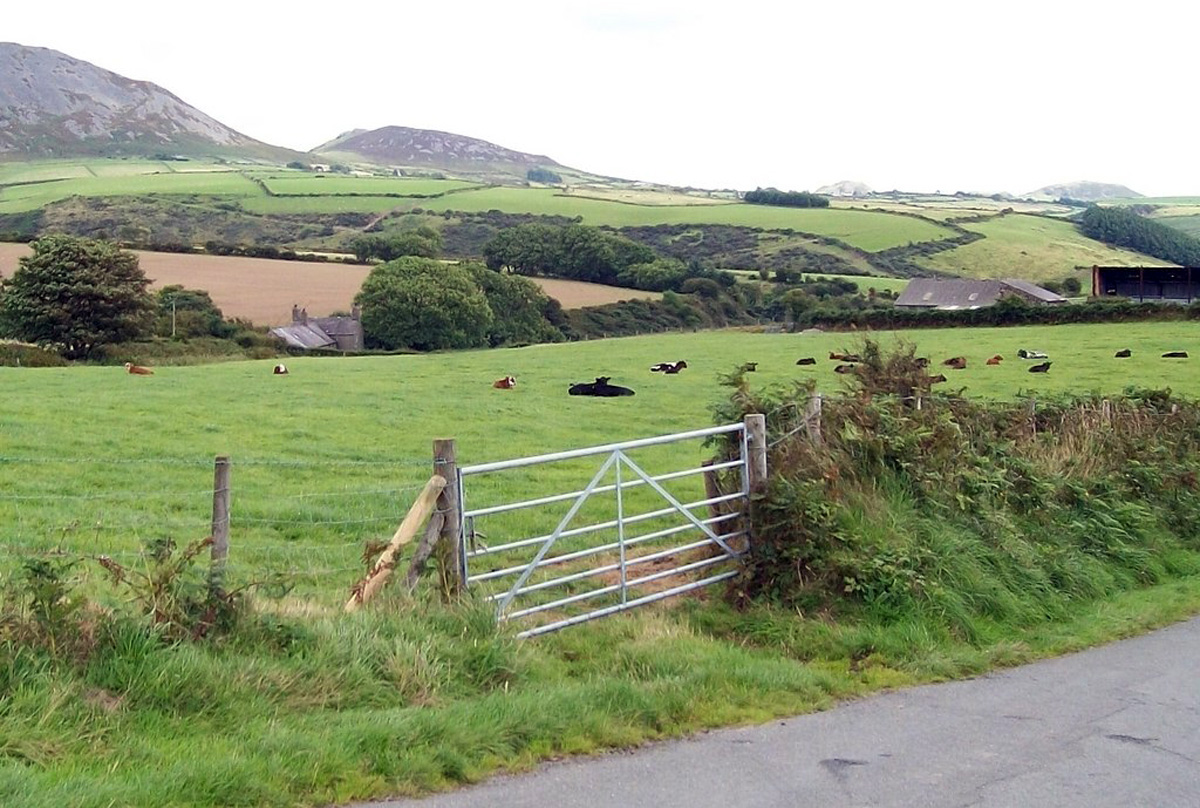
(220,526)
(756,468)
(756,444)
(812,418)
(449,553)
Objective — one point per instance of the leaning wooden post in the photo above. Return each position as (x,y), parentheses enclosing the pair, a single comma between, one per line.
(220,526)
(711,489)
(449,553)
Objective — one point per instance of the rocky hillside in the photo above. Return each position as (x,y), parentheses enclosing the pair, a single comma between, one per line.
(1084,191)
(426,149)
(52,105)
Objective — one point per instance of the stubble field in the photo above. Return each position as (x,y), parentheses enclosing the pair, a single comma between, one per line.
(263,291)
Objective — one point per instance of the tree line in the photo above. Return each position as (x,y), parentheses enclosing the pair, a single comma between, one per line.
(1124,228)
(786,199)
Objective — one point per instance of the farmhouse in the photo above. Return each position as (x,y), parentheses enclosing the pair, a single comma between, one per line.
(338,333)
(1163,284)
(958,293)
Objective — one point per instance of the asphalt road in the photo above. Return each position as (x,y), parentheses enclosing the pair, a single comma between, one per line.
(1113,726)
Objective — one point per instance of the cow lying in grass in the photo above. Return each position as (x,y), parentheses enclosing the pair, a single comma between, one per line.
(280,370)
(138,370)
(1024,354)
(600,388)
(1175,355)
(956,362)
(669,367)
(507,383)
(1042,368)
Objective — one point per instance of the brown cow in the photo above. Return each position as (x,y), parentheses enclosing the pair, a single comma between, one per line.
(922,361)
(935,379)
(956,362)
(138,370)
(507,383)
(995,360)
(844,357)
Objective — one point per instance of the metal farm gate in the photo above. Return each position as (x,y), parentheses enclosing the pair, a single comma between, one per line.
(627,538)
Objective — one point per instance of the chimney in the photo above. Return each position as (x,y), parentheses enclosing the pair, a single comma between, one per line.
(355,313)
(295,313)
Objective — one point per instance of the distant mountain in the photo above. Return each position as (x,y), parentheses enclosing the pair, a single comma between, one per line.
(426,149)
(1084,191)
(846,188)
(52,105)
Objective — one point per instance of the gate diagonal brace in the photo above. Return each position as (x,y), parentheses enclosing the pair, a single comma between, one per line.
(676,503)
(587,492)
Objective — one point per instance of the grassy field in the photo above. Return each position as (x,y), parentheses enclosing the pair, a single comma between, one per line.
(311,707)
(863,229)
(318,184)
(16,198)
(1031,247)
(336,427)
(263,291)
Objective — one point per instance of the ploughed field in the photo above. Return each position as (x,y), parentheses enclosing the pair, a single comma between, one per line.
(331,455)
(263,291)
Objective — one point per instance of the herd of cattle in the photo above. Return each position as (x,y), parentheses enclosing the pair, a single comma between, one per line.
(847,363)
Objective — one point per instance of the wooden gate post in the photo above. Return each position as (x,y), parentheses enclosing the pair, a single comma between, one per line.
(756,444)
(756,468)
(449,552)
(812,417)
(220,526)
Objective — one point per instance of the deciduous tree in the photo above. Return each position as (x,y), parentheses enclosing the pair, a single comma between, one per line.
(75,295)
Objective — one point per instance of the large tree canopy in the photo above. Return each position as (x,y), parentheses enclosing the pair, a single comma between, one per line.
(423,304)
(75,295)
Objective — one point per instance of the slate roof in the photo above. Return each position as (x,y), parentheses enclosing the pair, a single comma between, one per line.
(960,293)
(299,335)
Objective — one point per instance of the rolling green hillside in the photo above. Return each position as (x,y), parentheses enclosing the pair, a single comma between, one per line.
(1035,248)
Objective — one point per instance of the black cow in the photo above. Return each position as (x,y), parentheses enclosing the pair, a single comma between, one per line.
(600,388)
(1175,355)
(1042,368)
(669,367)
(808,360)
(749,367)
(846,369)
(1123,353)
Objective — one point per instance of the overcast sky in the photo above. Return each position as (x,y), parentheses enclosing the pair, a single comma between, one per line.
(922,95)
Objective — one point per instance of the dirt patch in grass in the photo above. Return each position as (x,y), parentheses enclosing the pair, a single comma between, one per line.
(263,291)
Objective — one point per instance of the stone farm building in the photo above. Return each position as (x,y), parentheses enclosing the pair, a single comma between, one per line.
(960,293)
(329,333)
(1162,284)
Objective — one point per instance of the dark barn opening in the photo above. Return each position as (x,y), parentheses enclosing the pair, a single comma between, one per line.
(1165,284)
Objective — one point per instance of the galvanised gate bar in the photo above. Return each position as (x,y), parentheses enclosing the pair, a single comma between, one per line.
(594,561)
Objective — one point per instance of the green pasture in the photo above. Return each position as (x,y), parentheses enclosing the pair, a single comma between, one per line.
(1032,247)
(331,455)
(317,184)
(44,170)
(320,204)
(306,706)
(864,229)
(865,282)
(1188,224)
(215,183)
